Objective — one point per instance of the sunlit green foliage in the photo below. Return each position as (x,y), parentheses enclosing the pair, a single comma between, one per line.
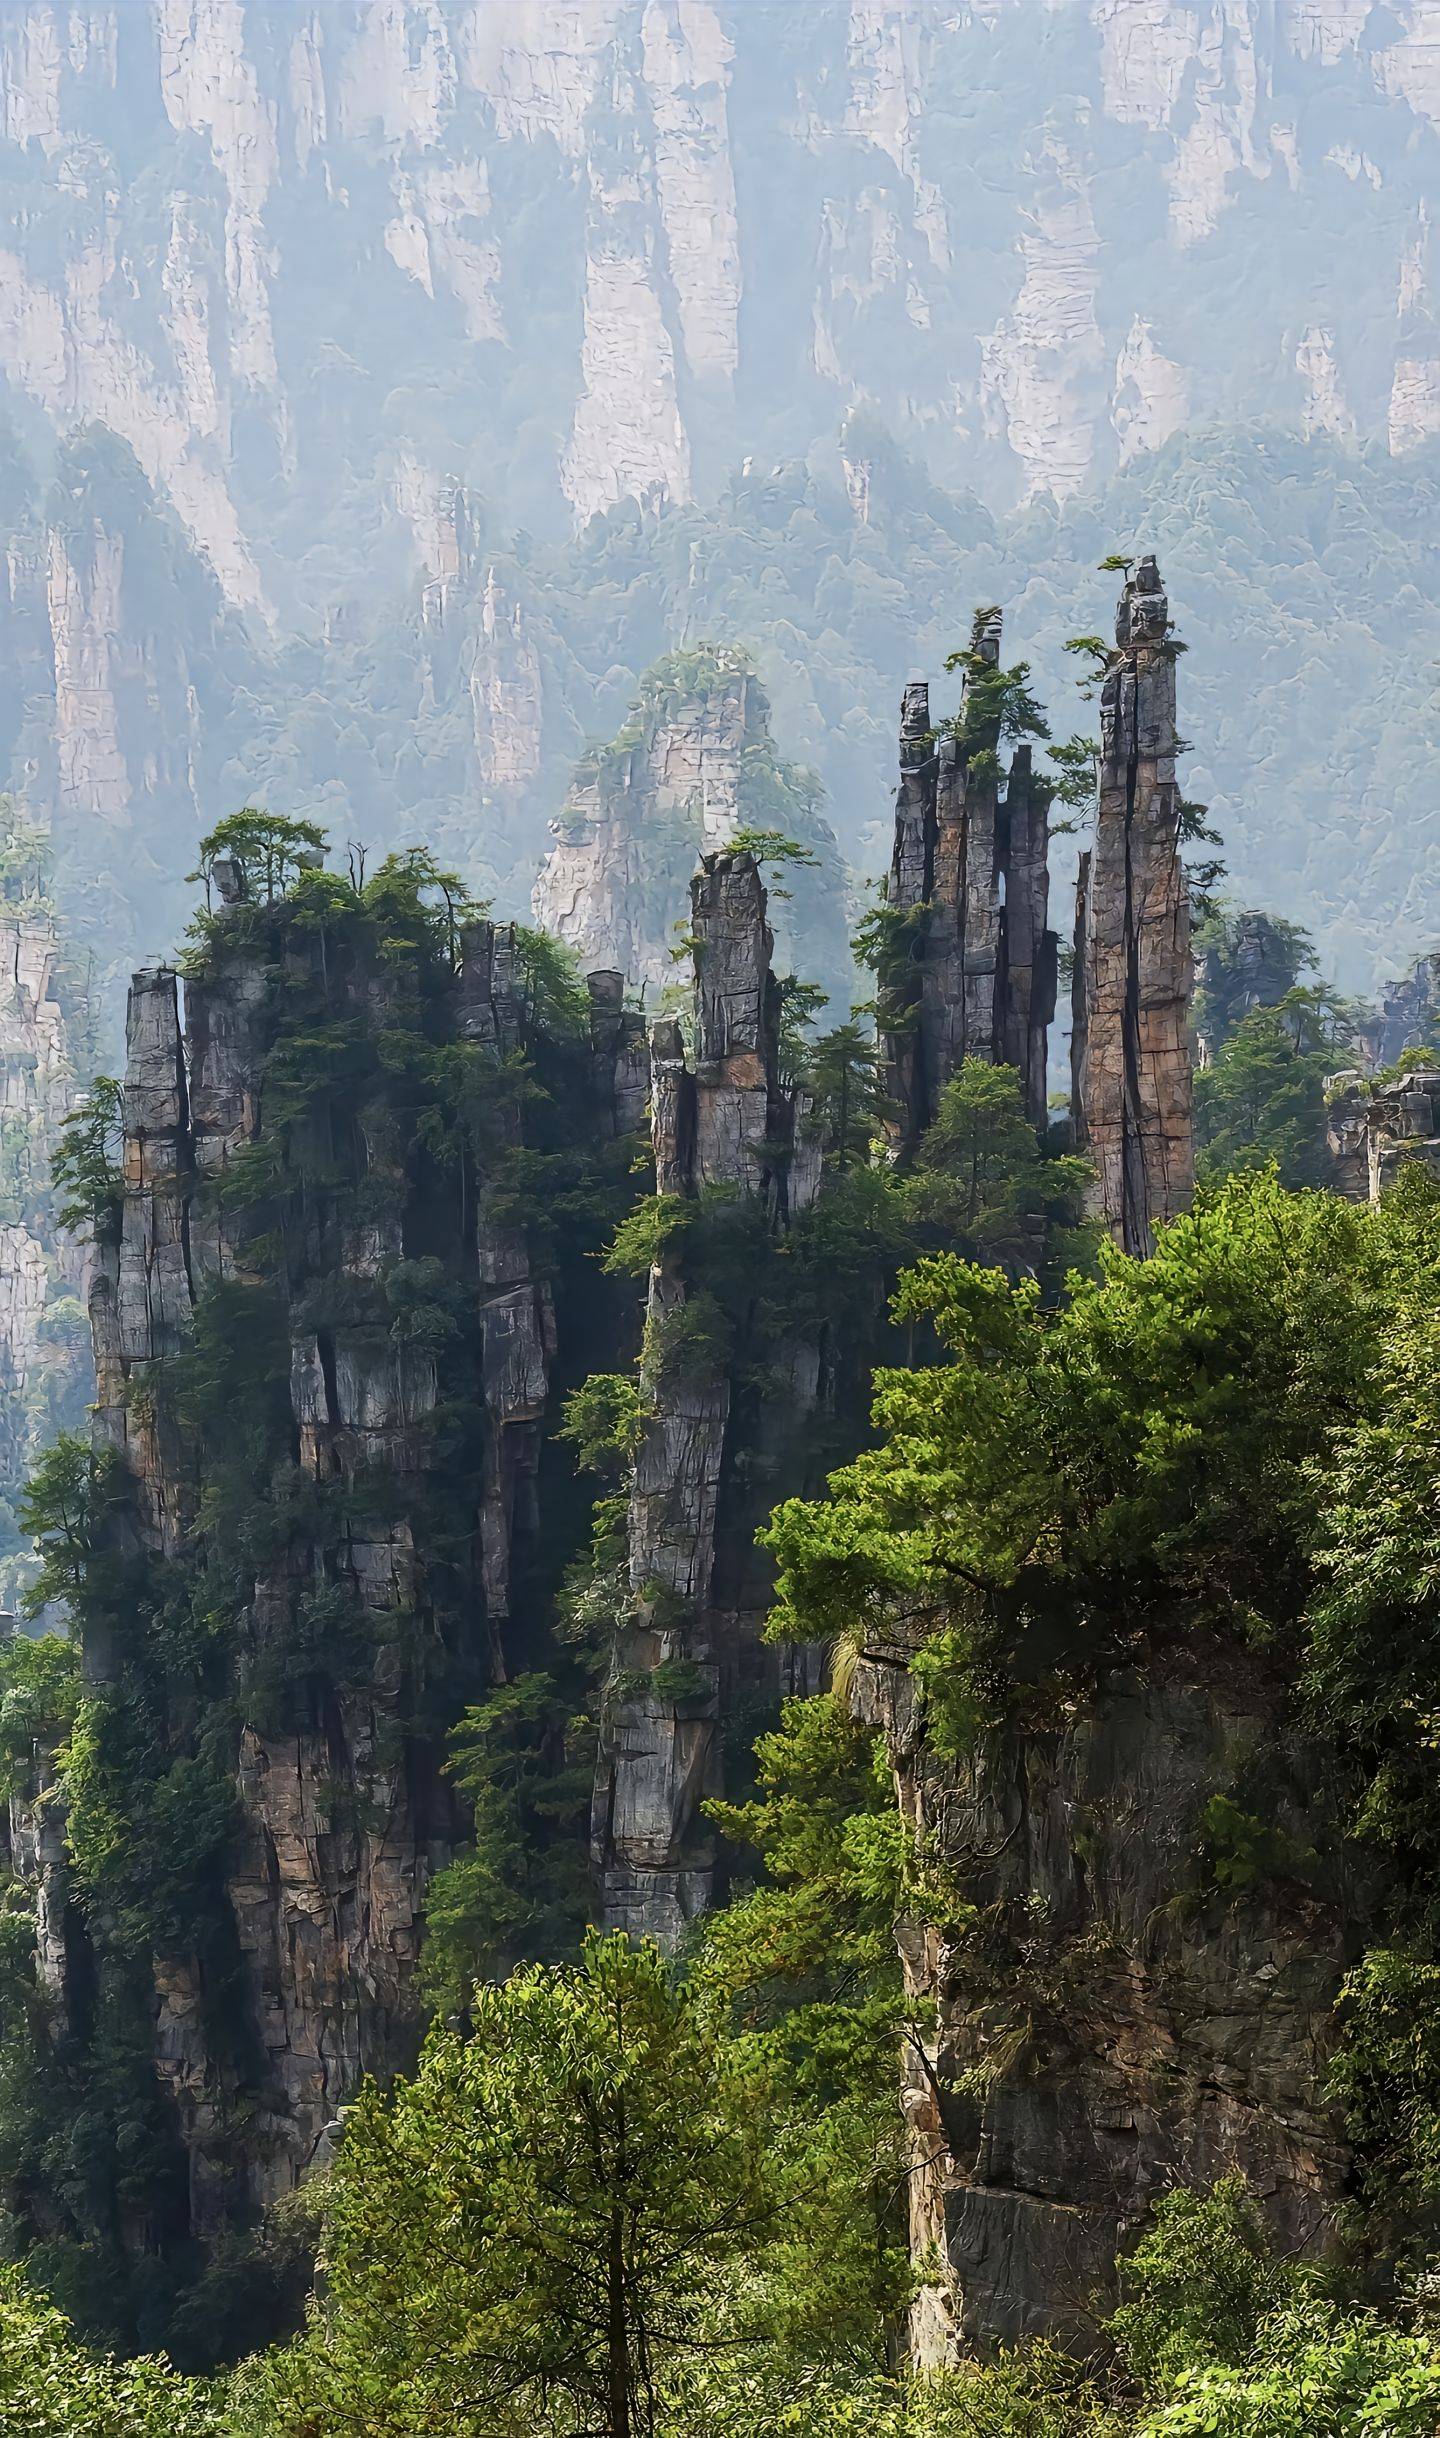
(590,2191)
(52,2387)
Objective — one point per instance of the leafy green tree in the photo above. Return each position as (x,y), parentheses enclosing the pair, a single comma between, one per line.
(66,1501)
(1074,764)
(845,1074)
(1314,2367)
(999,706)
(547,2220)
(1055,1479)
(39,1696)
(981,1177)
(51,2386)
(1372,1668)
(773,852)
(1227,2341)
(800,1004)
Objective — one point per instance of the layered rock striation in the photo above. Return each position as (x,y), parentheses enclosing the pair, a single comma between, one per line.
(1133,1098)
(365,1490)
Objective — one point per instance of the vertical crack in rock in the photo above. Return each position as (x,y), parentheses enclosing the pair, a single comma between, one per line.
(1133,1087)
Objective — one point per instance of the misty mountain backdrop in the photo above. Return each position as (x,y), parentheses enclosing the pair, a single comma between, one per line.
(388,383)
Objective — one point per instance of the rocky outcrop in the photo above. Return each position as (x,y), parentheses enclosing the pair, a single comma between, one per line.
(1109,2023)
(1408,1017)
(1414,416)
(694,764)
(1133,1091)
(667,789)
(974,964)
(342,1809)
(1376,1131)
(697,1593)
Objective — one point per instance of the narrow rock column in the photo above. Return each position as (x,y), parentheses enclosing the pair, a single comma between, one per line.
(908,890)
(689,1632)
(619,1056)
(970,871)
(959,1015)
(1133,1084)
(517,1315)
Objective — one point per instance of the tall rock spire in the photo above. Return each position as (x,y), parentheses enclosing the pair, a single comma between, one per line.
(696,1604)
(1133,1092)
(969,873)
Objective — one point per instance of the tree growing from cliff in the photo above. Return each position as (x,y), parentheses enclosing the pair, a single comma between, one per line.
(268,850)
(85,1167)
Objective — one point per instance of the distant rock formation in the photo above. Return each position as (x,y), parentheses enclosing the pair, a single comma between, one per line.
(45,1371)
(1252,964)
(1133,1099)
(693,766)
(1408,1017)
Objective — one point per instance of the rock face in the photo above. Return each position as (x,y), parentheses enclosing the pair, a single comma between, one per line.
(1133,1092)
(342,1811)
(45,1374)
(405,146)
(969,874)
(1107,2023)
(278,222)
(697,1595)
(1396,1124)
(694,764)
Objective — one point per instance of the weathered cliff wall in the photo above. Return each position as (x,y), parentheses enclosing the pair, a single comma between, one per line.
(655,305)
(1408,1017)
(1133,1100)
(409,1350)
(1111,2017)
(45,1368)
